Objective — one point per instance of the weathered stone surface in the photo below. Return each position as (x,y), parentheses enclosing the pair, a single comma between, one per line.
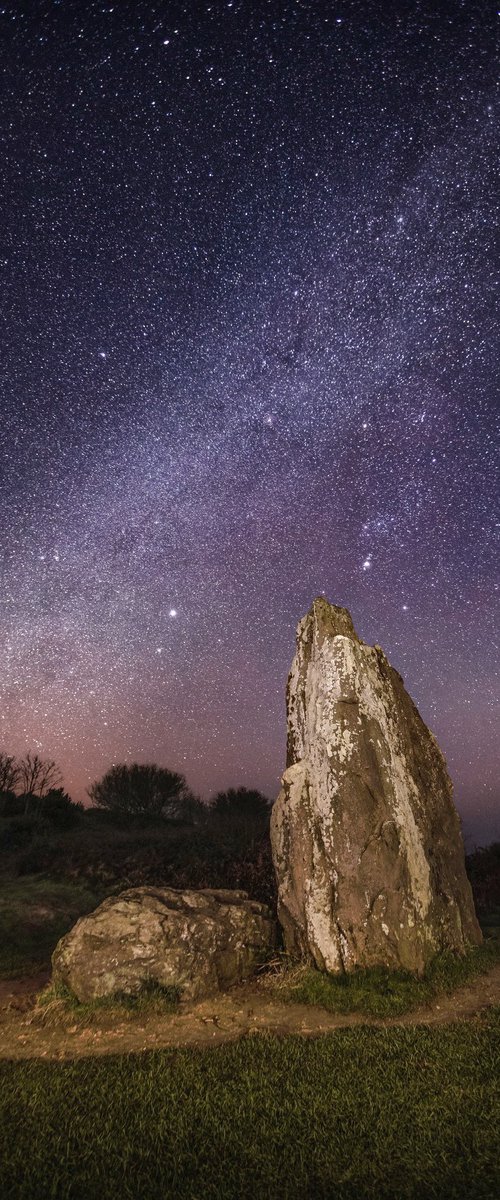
(199,941)
(366,841)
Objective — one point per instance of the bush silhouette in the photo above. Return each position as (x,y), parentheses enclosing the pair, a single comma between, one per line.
(143,790)
(240,815)
(59,810)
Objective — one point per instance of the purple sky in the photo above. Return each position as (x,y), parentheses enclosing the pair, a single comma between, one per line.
(248,357)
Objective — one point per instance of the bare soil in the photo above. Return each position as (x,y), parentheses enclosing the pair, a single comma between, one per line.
(30,1032)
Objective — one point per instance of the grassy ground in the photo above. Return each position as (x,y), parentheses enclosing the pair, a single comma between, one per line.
(56,1001)
(400,1113)
(392,1113)
(34,913)
(382,993)
(375,993)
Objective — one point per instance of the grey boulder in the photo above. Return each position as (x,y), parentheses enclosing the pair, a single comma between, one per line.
(197,941)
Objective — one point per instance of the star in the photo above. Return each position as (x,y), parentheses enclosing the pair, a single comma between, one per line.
(266,282)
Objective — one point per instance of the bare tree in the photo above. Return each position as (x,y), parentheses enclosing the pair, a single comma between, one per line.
(38,776)
(9,772)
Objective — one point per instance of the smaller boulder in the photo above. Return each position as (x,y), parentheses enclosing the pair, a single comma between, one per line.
(200,942)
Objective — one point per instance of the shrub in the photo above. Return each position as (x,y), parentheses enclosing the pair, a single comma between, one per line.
(59,810)
(239,816)
(11,805)
(142,789)
(18,833)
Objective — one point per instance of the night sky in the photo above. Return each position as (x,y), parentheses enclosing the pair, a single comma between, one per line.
(248,356)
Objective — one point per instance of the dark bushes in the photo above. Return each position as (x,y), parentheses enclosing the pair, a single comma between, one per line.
(160,856)
(112,850)
(483,869)
(16,833)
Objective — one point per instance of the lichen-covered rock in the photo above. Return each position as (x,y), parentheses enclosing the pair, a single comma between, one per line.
(366,841)
(198,941)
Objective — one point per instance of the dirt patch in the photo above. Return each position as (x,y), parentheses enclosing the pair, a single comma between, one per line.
(26,1032)
(20,994)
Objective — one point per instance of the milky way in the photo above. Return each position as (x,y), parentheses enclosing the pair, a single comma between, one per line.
(248,357)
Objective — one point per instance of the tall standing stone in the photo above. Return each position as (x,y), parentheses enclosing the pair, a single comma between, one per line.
(366,840)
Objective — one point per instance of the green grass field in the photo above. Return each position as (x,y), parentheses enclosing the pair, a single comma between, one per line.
(394,1113)
(376,1113)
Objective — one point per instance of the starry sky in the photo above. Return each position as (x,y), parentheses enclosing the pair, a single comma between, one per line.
(248,342)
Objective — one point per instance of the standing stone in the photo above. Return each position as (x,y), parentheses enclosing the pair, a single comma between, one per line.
(366,841)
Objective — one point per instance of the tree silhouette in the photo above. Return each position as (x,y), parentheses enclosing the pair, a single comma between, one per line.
(37,776)
(142,790)
(9,772)
(242,814)
(58,808)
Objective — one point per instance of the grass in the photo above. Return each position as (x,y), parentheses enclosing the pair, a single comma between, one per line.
(382,993)
(153,998)
(364,1114)
(34,913)
(401,1113)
